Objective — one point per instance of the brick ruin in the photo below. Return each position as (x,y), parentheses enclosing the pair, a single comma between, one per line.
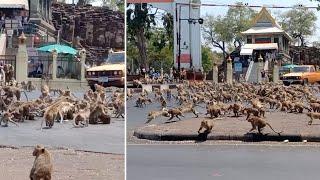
(97,29)
(305,55)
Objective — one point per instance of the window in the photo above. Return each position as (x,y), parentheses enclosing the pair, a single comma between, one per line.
(249,40)
(263,40)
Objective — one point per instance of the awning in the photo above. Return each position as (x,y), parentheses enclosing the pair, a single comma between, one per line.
(15,4)
(246,52)
(263,46)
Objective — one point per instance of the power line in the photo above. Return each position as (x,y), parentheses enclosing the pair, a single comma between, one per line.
(247,5)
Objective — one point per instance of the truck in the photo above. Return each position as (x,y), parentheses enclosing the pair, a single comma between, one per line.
(301,74)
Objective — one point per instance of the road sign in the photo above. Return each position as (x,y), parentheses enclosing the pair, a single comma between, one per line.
(238,67)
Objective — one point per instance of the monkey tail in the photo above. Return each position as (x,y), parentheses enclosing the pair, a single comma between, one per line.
(74,123)
(273,129)
(24,92)
(149,120)
(74,95)
(13,122)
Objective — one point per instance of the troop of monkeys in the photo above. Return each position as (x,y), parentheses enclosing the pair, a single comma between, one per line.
(240,98)
(95,107)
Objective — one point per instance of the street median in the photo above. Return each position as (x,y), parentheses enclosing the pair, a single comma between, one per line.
(293,126)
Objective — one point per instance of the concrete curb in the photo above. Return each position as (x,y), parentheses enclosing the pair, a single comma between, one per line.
(229,137)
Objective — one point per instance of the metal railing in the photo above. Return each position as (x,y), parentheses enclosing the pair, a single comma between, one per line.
(68,68)
(9,59)
(40,66)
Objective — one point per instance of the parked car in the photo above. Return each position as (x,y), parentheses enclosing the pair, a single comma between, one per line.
(301,74)
(111,73)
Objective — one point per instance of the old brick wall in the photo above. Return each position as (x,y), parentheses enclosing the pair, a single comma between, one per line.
(95,28)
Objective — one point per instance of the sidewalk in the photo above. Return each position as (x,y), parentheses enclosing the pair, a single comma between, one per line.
(293,126)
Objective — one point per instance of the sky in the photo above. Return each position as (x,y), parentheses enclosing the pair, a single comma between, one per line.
(223,10)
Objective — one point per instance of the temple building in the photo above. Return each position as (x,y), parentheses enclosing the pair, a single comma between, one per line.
(35,11)
(266,38)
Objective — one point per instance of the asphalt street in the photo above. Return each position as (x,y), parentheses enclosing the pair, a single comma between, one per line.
(136,117)
(107,138)
(222,162)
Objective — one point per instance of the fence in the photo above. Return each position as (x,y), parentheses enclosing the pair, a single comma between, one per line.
(68,67)
(40,66)
(9,59)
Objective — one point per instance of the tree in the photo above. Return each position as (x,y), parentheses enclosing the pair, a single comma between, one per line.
(239,19)
(299,23)
(138,28)
(219,31)
(116,5)
(167,19)
(207,58)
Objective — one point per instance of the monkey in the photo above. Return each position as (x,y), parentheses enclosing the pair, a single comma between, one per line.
(119,109)
(236,109)
(248,111)
(163,103)
(137,83)
(51,112)
(64,108)
(315,107)
(214,111)
(81,119)
(258,123)
(286,106)
(206,125)
(175,113)
(88,96)
(9,72)
(154,114)
(45,91)
(42,165)
(142,101)
(11,91)
(49,116)
(313,115)
(97,114)
(256,103)
(272,102)
(30,86)
(99,88)
(7,117)
(299,107)
(189,108)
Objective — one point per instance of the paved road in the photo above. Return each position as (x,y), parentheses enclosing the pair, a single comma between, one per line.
(98,138)
(223,162)
(136,117)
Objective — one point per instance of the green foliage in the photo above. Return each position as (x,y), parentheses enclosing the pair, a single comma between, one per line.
(159,51)
(167,19)
(138,17)
(207,58)
(220,30)
(299,23)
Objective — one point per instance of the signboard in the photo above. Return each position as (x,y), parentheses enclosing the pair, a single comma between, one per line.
(238,67)
(103,79)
